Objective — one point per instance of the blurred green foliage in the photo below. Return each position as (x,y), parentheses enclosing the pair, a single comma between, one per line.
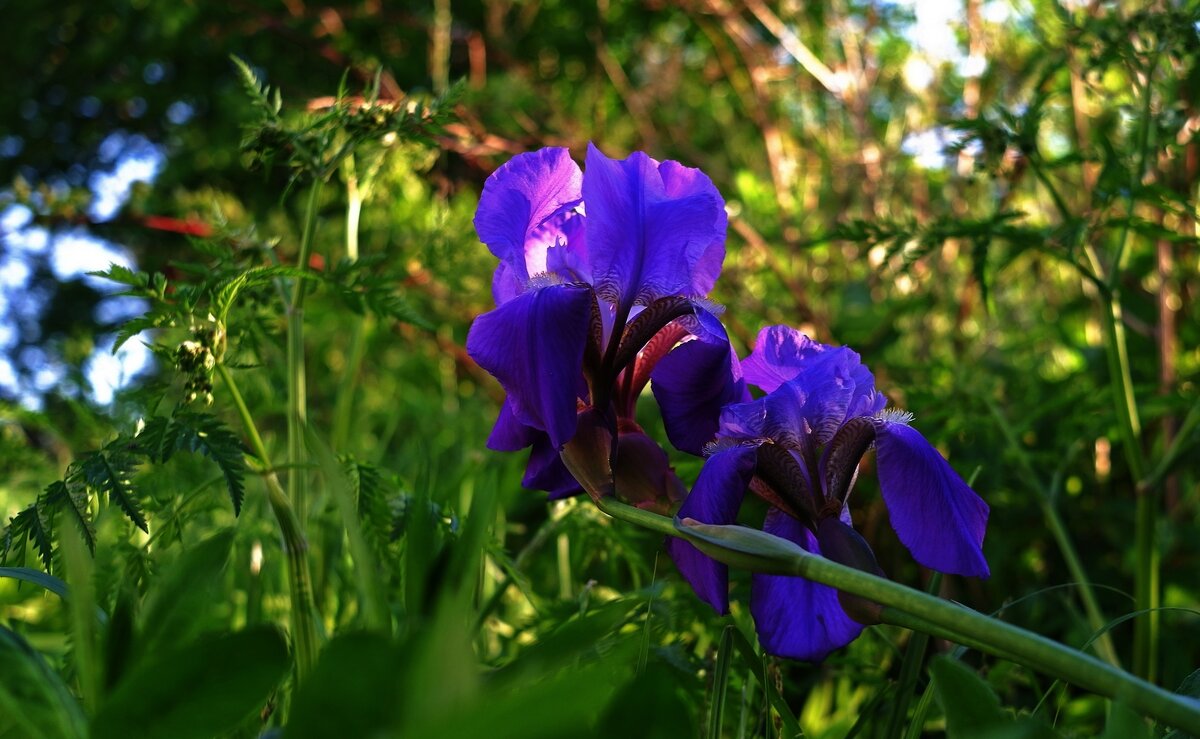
(973,282)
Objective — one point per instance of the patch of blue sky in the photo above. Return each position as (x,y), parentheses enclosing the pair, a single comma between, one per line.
(135,160)
(106,372)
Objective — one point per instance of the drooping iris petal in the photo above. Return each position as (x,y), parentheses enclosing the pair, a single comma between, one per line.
(693,382)
(518,199)
(715,499)
(534,346)
(798,618)
(546,471)
(935,514)
(652,228)
(509,434)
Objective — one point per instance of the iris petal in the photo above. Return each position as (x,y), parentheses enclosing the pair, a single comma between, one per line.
(715,499)
(693,382)
(546,471)
(798,618)
(534,345)
(935,514)
(653,229)
(518,199)
(509,434)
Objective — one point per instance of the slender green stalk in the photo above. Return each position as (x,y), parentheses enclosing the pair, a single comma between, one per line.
(343,406)
(82,604)
(295,547)
(1147,591)
(1146,573)
(297,391)
(998,637)
(1171,456)
(910,669)
(1066,547)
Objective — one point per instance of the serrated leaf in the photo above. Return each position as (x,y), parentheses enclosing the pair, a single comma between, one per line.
(200,690)
(226,292)
(122,275)
(206,434)
(110,472)
(74,500)
(135,326)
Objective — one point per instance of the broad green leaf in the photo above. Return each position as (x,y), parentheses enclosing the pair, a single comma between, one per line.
(1191,688)
(199,690)
(181,597)
(355,690)
(34,701)
(968,702)
(1125,723)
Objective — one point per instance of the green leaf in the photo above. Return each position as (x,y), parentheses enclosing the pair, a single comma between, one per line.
(73,499)
(226,292)
(969,703)
(135,326)
(111,472)
(355,690)
(208,435)
(1125,723)
(200,433)
(1191,688)
(34,701)
(123,275)
(183,594)
(205,688)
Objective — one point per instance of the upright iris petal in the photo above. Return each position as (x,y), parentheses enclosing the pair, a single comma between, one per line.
(653,229)
(821,413)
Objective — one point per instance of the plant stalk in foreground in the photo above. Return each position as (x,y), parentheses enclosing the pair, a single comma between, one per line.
(914,609)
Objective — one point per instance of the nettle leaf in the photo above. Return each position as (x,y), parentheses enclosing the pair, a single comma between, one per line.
(134,326)
(123,275)
(372,493)
(28,525)
(226,292)
(60,495)
(111,472)
(206,434)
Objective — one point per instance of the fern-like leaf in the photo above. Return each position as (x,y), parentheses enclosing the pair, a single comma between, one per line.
(60,495)
(208,435)
(110,472)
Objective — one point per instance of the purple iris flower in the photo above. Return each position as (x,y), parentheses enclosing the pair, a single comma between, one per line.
(599,291)
(798,447)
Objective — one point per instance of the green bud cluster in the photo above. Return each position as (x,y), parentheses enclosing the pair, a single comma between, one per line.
(197,358)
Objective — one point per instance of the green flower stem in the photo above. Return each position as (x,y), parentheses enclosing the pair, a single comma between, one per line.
(297,391)
(1021,646)
(295,547)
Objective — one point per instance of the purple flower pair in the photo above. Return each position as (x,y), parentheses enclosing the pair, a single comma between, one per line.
(599,291)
